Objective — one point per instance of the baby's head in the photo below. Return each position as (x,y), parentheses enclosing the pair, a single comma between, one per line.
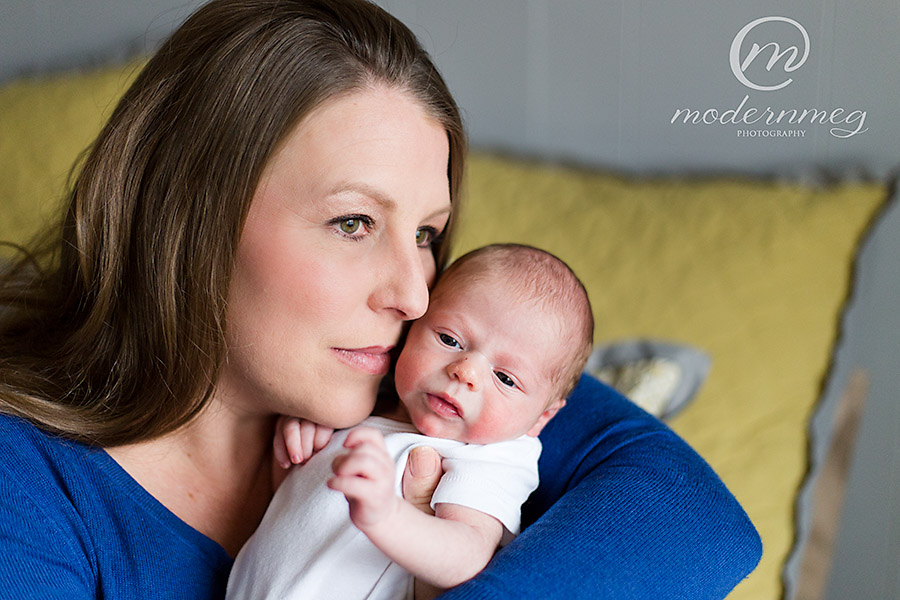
(505,338)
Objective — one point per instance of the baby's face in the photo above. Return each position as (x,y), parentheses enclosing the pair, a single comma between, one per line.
(478,366)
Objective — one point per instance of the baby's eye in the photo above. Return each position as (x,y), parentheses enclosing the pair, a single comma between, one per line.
(505,379)
(449,340)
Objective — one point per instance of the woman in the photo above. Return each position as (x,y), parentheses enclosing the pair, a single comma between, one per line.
(247,237)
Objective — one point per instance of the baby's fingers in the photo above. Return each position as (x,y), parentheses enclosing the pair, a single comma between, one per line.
(306,435)
(296,440)
(279,444)
(365,435)
(365,460)
(292,430)
(322,437)
(353,487)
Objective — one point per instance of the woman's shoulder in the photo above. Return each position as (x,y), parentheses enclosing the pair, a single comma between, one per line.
(18,428)
(39,523)
(67,510)
(28,450)
(46,478)
(41,463)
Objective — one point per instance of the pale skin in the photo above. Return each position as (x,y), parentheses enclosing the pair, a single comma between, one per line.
(334,259)
(468,372)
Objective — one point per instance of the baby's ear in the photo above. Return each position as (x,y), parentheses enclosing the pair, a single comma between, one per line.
(548,414)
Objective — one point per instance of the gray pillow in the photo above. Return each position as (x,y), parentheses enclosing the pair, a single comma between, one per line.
(660,377)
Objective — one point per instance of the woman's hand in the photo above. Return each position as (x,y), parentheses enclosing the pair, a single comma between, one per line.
(421,476)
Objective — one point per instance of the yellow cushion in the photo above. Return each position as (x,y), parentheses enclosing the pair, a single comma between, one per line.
(754,273)
(45,124)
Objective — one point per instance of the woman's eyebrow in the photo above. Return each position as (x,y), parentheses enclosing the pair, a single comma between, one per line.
(366,190)
(385,201)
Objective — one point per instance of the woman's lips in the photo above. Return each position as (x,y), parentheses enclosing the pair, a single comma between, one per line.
(373,360)
(444,406)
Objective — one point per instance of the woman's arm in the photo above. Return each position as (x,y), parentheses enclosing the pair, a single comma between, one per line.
(625,510)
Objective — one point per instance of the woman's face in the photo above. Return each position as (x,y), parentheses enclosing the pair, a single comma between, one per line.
(335,255)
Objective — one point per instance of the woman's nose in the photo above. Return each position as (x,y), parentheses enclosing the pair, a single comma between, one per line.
(402,285)
(465,370)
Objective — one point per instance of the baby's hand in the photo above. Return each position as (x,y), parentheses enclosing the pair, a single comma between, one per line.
(365,476)
(296,440)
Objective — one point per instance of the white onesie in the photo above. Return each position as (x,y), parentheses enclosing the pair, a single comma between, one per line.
(307,547)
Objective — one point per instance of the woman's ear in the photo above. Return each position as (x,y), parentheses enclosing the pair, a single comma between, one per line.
(548,414)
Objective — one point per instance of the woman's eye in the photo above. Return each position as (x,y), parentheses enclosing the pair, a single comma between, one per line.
(350,226)
(505,379)
(425,236)
(448,340)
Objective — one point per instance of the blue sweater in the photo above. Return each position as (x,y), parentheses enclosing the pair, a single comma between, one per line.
(625,509)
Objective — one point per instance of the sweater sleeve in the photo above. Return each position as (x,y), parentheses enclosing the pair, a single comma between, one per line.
(625,510)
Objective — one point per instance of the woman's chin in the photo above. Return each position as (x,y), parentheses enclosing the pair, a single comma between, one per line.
(330,405)
(350,416)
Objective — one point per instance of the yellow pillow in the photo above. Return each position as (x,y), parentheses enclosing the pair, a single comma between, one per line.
(753,273)
(45,124)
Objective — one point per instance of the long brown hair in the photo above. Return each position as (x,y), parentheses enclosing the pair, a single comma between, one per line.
(121,339)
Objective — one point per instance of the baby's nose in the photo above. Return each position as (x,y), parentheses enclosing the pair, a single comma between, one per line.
(466,371)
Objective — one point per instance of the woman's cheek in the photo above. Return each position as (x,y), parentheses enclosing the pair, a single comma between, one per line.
(429,268)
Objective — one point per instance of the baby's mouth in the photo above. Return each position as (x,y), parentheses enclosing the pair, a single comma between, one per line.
(444,406)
